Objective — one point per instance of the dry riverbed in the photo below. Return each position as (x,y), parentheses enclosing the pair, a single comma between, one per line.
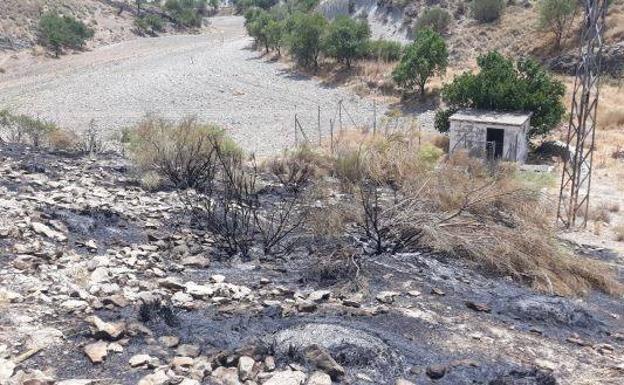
(215,76)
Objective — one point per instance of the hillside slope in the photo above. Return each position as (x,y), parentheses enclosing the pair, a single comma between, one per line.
(516,33)
(19,18)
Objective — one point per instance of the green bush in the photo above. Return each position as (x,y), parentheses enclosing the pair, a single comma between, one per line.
(487,11)
(57,32)
(150,24)
(426,56)
(434,18)
(257,24)
(441,122)
(187,13)
(346,39)
(504,85)
(305,32)
(384,50)
(26,129)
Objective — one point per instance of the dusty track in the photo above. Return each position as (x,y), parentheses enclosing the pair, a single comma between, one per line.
(215,76)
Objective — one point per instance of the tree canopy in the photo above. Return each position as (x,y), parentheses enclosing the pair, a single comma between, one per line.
(426,56)
(504,85)
(346,39)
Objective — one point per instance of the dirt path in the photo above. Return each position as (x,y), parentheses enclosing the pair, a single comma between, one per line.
(214,76)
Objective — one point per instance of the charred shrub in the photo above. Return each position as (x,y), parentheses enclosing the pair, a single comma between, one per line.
(155,311)
(184,153)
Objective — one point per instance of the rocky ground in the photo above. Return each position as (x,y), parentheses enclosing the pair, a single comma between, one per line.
(102,282)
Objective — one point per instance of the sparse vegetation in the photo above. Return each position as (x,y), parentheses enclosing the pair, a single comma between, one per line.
(384,50)
(183,153)
(434,18)
(556,16)
(504,85)
(422,59)
(150,24)
(487,11)
(62,31)
(186,13)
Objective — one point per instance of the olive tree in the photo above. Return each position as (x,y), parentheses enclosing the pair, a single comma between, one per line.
(425,57)
(556,16)
(346,39)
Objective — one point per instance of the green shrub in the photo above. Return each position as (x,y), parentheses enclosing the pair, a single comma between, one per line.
(487,11)
(441,122)
(187,13)
(150,24)
(304,38)
(57,32)
(384,50)
(504,85)
(426,56)
(27,129)
(434,18)
(346,39)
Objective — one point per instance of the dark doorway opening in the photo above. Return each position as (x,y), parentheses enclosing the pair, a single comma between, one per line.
(495,141)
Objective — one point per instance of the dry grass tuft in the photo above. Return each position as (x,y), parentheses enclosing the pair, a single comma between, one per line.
(619,233)
(501,221)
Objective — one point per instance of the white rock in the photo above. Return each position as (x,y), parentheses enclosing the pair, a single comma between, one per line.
(42,229)
(319,378)
(245,368)
(6,370)
(286,377)
(96,351)
(157,378)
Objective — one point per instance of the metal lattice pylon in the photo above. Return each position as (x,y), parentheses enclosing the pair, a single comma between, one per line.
(577,165)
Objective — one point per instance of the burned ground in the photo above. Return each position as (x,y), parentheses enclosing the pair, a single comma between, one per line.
(108,248)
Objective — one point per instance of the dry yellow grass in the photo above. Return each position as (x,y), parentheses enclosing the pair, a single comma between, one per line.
(500,221)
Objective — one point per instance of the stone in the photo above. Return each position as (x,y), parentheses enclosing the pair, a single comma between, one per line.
(480,307)
(188,350)
(225,376)
(157,378)
(76,381)
(217,278)
(319,378)
(111,331)
(41,229)
(437,291)
(143,360)
(96,352)
(197,261)
(306,306)
(181,299)
(189,381)
(245,368)
(286,377)
(402,381)
(169,341)
(269,363)
(387,296)
(6,370)
(319,296)
(435,372)
(182,362)
(171,284)
(319,357)
(198,291)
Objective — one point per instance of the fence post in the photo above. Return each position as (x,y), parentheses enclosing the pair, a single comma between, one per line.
(318,126)
(331,136)
(374,117)
(340,114)
(296,133)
